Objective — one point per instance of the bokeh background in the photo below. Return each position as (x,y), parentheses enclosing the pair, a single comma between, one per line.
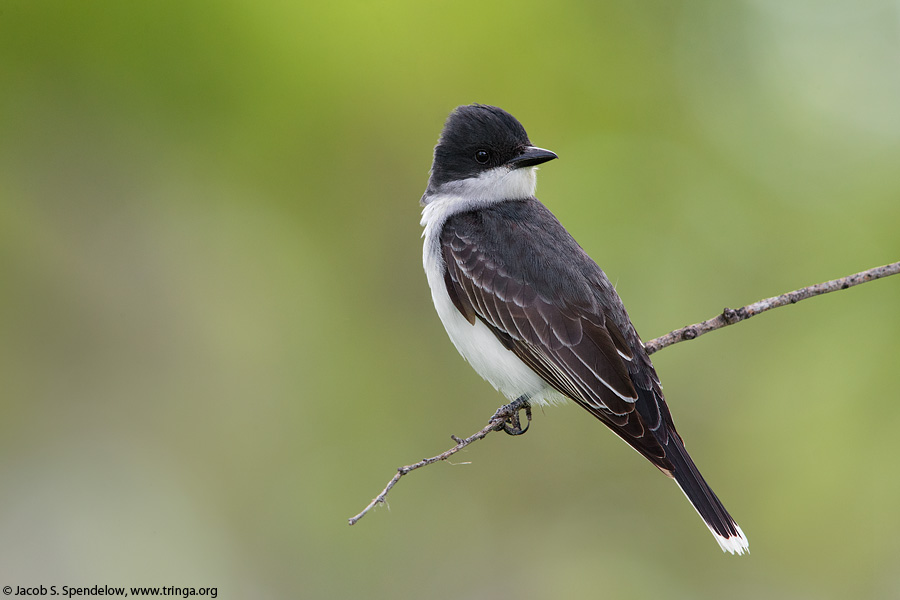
(217,342)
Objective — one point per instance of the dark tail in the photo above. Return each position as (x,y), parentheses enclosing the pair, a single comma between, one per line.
(691,482)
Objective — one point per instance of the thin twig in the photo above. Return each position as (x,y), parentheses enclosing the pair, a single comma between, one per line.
(728,317)
(500,417)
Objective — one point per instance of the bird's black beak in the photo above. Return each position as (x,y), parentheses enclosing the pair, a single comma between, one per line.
(530,157)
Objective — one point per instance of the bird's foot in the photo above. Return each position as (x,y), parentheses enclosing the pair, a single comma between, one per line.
(507,417)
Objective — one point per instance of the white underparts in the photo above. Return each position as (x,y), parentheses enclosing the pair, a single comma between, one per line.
(477,344)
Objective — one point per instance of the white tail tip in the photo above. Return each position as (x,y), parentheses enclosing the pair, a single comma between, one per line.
(736,544)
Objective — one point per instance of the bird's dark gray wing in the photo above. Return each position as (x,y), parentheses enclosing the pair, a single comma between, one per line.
(562,318)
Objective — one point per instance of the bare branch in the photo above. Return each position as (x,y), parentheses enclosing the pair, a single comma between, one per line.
(730,316)
(508,414)
(497,422)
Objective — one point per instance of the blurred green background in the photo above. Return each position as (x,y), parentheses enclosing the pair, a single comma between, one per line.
(218,342)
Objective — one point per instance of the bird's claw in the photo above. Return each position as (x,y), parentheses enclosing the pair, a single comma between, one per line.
(512,424)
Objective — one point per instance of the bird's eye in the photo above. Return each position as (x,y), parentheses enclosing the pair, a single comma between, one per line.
(482,156)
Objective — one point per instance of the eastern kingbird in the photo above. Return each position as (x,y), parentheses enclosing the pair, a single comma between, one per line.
(530,310)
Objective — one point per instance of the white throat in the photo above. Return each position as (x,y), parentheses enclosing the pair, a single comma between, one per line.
(499,183)
(454,197)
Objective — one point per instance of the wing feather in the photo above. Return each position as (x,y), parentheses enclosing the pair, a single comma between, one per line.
(567,323)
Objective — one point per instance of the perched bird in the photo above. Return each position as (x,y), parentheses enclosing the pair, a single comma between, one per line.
(530,310)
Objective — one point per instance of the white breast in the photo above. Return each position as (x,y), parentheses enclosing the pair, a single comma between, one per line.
(499,366)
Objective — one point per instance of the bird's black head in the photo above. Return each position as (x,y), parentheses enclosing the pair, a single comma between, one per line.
(478,138)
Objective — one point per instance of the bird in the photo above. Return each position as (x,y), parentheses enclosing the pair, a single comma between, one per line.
(530,311)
